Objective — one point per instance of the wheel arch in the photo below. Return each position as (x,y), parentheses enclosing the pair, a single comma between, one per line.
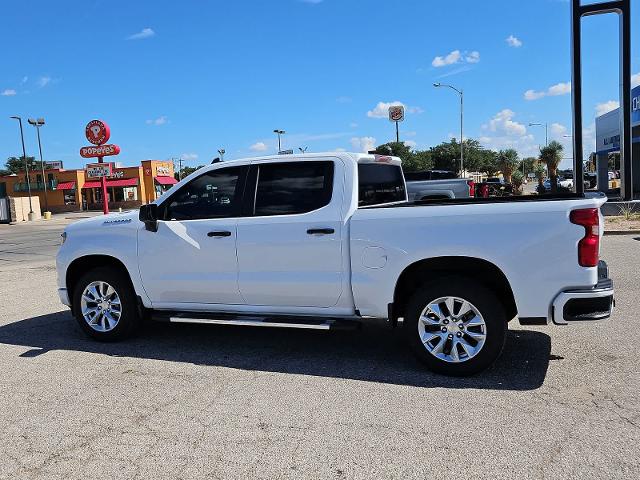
(83,264)
(473,268)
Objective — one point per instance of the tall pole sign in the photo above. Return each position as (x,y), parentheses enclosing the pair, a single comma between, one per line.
(98,133)
(396,114)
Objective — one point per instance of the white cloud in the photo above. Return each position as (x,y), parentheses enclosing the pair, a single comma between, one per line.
(340,149)
(552,91)
(456,57)
(513,41)
(258,147)
(363,144)
(558,129)
(635,80)
(188,156)
(602,108)
(24,79)
(533,95)
(144,33)
(9,92)
(473,57)
(503,123)
(161,120)
(559,89)
(43,81)
(410,143)
(453,57)
(381,110)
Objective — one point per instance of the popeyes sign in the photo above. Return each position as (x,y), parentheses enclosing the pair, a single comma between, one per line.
(98,133)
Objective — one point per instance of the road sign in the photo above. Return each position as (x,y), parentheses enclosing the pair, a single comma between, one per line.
(396,113)
(97,132)
(99,170)
(54,165)
(99,151)
(285,152)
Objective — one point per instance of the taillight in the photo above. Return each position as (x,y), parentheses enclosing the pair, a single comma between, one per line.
(589,246)
(472,188)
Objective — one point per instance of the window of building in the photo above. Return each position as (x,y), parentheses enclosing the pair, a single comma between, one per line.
(293,187)
(215,194)
(379,184)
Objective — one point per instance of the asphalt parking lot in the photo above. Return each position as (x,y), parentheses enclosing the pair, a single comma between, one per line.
(183,401)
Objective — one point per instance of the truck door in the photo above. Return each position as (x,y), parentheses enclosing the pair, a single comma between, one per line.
(289,242)
(191,259)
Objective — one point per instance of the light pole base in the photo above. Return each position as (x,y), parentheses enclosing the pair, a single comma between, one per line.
(31,216)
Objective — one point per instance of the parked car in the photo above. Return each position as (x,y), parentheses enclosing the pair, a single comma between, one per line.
(439,189)
(323,241)
(494,187)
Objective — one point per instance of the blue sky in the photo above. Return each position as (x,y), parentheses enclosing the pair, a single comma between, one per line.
(186,78)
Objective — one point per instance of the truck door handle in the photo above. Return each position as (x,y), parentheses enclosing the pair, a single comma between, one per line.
(221,233)
(320,231)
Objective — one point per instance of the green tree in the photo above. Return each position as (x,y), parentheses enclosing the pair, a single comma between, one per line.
(446,156)
(412,161)
(551,156)
(16,164)
(529,164)
(540,172)
(489,163)
(517,178)
(417,161)
(507,162)
(186,171)
(397,149)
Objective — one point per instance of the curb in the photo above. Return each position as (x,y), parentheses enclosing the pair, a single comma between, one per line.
(622,232)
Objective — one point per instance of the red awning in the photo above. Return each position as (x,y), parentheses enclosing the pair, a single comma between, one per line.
(123,182)
(166,180)
(66,186)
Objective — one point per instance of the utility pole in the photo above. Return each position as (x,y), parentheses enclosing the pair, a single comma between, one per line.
(38,123)
(26,167)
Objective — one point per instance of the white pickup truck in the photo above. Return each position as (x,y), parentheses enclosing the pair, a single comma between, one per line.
(322,240)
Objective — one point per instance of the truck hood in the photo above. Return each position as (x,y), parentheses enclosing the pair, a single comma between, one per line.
(119,219)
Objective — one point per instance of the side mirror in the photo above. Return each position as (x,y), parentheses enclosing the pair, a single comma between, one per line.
(149,216)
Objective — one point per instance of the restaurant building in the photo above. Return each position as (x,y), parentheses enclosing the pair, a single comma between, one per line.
(71,190)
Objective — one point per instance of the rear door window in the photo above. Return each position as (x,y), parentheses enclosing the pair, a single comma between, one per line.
(291,188)
(379,184)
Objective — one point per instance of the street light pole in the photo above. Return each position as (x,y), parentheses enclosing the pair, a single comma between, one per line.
(38,123)
(26,165)
(279,132)
(546,131)
(461,93)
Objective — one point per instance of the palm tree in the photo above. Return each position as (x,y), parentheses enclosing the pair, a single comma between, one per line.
(551,155)
(508,162)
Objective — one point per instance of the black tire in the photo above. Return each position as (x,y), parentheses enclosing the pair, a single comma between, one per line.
(129,320)
(484,300)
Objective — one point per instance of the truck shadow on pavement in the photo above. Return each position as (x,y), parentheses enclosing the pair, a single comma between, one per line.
(374,353)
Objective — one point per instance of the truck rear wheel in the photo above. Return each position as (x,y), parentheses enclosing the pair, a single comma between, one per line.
(455,326)
(104,304)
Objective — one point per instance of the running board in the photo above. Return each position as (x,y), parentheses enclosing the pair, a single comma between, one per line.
(257,320)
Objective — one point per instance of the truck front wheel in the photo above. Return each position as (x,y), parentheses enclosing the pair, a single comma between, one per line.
(104,304)
(455,326)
